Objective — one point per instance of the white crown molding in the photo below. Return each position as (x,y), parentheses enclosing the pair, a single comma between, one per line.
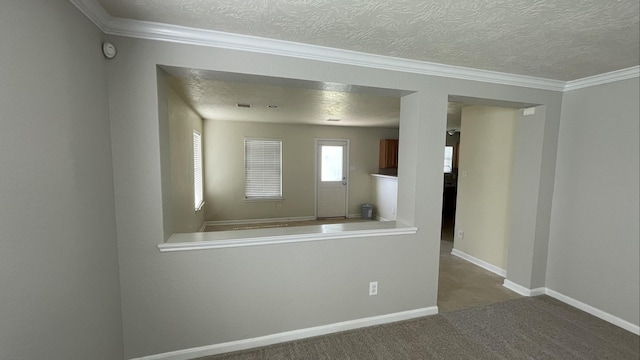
(185,35)
(94,11)
(622,74)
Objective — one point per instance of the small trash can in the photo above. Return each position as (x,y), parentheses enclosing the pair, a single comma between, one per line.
(367,211)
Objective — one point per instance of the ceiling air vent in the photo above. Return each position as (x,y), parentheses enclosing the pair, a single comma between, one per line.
(244,105)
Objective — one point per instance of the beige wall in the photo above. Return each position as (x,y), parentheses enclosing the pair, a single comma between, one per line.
(486,158)
(224,167)
(182,122)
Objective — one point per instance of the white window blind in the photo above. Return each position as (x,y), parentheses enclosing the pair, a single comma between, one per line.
(263,168)
(198,193)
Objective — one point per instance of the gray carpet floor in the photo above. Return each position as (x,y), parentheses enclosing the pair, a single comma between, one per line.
(528,328)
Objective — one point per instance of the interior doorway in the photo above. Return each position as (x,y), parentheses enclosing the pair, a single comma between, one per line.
(476,200)
(332,178)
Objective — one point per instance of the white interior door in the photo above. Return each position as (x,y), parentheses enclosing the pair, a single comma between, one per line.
(331,178)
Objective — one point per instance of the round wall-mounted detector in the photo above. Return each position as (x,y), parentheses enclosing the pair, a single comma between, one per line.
(109,50)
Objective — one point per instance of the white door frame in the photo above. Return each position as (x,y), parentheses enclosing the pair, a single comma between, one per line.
(346,174)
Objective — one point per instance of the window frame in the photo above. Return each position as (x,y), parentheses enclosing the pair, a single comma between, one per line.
(198,172)
(266,190)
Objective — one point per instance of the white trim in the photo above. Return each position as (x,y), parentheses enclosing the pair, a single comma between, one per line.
(594,311)
(185,241)
(291,335)
(389,177)
(94,12)
(519,289)
(185,35)
(575,303)
(256,221)
(192,36)
(618,75)
(483,264)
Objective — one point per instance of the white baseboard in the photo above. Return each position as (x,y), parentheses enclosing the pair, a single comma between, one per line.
(255,221)
(594,311)
(290,335)
(267,220)
(575,303)
(483,264)
(523,290)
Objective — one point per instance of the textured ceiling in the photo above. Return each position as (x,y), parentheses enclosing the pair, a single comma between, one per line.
(215,95)
(553,39)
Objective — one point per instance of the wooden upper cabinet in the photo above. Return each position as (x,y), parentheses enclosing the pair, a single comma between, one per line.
(388,153)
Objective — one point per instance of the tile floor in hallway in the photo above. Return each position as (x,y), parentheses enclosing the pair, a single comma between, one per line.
(462,284)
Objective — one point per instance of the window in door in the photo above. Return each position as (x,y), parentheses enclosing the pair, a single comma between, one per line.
(331,163)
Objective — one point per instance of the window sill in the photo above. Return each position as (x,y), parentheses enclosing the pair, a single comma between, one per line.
(258,199)
(283,235)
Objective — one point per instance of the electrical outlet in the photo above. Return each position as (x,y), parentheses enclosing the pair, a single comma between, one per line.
(373,288)
(393,210)
(460,234)
(279,206)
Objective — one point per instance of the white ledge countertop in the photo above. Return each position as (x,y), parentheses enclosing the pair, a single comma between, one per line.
(390,177)
(282,235)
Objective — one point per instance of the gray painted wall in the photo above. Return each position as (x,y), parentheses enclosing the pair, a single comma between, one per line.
(173,301)
(593,246)
(58,266)
(528,236)
(59,289)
